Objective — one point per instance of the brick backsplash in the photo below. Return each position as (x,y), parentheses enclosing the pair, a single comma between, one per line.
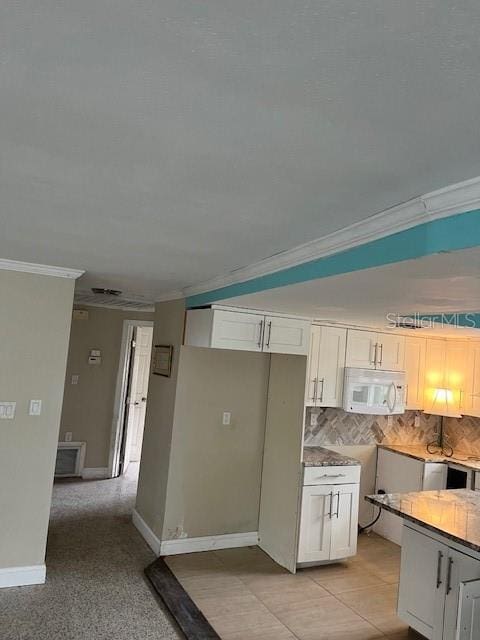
(337,427)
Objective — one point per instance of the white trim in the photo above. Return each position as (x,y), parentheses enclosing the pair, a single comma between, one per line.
(208,543)
(456,198)
(146,533)
(22,576)
(95,473)
(40,269)
(120,393)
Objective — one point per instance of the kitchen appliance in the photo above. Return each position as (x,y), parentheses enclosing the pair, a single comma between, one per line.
(373,391)
(459,477)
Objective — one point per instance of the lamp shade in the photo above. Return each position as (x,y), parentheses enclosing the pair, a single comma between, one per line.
(443,403)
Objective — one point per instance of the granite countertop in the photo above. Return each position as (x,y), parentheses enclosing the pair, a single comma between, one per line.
(419,452)
(321,457)
(454,514)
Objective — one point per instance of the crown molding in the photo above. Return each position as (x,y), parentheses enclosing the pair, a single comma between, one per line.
(40,269)
(454,199)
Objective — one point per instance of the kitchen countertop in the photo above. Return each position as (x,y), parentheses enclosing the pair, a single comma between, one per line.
(419,452)
(321,457)
(454,514)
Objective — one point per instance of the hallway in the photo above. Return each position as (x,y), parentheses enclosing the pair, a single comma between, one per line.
(95,587)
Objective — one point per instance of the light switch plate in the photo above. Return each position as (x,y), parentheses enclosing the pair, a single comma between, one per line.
(35,407)
(75,378)
(7,410)
(68,436)
(226,418)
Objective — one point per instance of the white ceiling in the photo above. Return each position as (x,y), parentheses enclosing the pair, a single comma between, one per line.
(159,144)
(444,283)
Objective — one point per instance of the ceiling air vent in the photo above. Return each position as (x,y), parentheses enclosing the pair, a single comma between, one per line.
(113,299)
(407,323)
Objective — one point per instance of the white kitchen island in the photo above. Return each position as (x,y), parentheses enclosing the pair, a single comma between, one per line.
(439,594)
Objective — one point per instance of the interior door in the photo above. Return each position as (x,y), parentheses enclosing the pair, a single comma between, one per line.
(415,349)
(344,521)
(421,598)
(331,362)
(315,523)
(462,569)
(286,335)
(361,349)
(391,352)
(137,395)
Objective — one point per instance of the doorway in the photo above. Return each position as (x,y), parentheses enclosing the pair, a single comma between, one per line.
(131,397)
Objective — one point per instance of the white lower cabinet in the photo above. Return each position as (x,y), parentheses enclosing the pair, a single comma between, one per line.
(329,518)
(439,593)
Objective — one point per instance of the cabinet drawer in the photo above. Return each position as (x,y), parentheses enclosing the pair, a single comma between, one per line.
(331,475)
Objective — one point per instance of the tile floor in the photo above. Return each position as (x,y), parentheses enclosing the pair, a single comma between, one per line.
(246,596)
(95,588)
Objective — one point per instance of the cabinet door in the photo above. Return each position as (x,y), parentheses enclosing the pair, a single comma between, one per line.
(415,350)
(344,521)
(421,597)
(390,352)
(315,523)
(311,389)
(460,568)
(434,370)
(361,349)
(233,330)
(286,335)
(468,623)
(456,371)
(331,363)
(472,399)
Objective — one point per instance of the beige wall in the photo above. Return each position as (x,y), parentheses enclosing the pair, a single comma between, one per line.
(215,470)
(88,406)
(169,321)
(34,331)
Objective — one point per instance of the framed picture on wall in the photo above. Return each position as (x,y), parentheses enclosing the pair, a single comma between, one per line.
(162,360)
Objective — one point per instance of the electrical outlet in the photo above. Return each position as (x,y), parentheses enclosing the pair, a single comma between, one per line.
(226,418)
(417,421)
(390,421)
(68,436)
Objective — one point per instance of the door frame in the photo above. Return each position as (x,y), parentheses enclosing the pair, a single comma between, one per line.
(121,394)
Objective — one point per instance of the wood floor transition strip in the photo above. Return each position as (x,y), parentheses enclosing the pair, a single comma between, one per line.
(186,613)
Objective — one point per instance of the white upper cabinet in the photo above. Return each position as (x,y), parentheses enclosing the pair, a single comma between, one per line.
(226,329)
(372,350)
(446,369)
(326,366)
(286,335)
(415,351)
(472,397)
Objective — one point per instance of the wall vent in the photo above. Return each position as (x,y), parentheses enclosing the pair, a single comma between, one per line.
(70,459)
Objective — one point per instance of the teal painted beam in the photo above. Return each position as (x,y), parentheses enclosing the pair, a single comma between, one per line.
(460,231)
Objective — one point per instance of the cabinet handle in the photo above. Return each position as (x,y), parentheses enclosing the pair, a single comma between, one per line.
(381,353)
(329,475)
(315,385)
(338,504)
(260,336)
(375,347)
(322,380)
(269,333)
(439,569)
(331,505)
(449,575)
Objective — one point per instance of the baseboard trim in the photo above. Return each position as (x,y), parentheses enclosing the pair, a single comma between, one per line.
(191,545)
(208,543)
(95,473)
(22,576)
(146,533)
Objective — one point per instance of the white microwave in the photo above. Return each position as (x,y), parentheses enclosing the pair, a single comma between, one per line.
(371,391)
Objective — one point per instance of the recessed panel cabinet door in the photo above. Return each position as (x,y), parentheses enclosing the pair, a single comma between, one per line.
(461,569)
(315,523)
(421,598)
(232,330)
(415,350)
(472,399)
(286,335)
(468,624)
(361,349)
(312,366)
(344,521)
(390,352)
(331,367)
